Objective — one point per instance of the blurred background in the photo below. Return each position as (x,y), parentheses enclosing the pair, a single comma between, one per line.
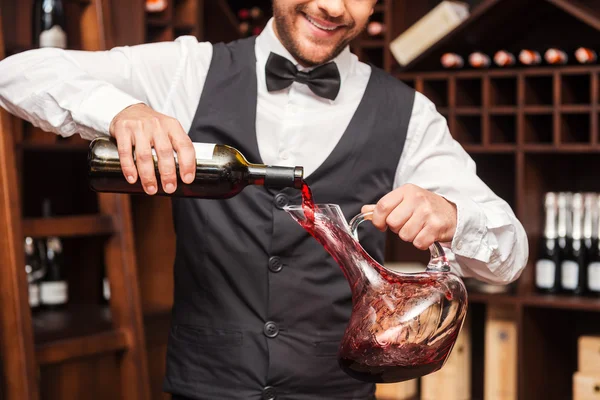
(86,284)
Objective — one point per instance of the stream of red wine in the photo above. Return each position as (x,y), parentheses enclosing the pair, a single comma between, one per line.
(361,355)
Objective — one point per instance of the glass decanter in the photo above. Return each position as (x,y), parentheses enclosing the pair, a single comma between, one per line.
(403,325)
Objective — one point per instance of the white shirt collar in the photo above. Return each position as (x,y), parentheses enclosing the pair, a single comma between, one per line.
(268,42)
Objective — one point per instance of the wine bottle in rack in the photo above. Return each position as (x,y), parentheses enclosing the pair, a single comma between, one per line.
(563,229)
(156,6)
(34,268)
(54,290)
(105,287)
(48,24)
(593,266)
(479,60)
(585,55)
(556,57)
(452,61)
(547,276)
(530,57)
(573,262)
(503,58)
(375,28)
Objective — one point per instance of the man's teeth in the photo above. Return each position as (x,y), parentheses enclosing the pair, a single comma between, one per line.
(315,23)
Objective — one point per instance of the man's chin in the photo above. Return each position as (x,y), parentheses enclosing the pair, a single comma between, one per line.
(315,55)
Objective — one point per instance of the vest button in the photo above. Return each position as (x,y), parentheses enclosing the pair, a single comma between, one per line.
(275,264)
(281,200)
(269,393)
(270,329)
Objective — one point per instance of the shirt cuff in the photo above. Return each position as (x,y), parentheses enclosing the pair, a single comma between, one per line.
(98,110)
(468,240)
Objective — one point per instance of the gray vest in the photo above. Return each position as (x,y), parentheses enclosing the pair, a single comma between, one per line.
(260,306)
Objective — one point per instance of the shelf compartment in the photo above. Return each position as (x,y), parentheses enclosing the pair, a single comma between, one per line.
(468,92)
(467,129)
(539,90)
(575,128)
(81,225)
(503,91)
(76,331)
(490,165)
(549,346)
(436,91)
(538,128)
(503,129)
(576,89)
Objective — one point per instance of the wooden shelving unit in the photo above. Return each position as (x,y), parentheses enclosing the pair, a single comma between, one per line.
(87,349)
(530,131)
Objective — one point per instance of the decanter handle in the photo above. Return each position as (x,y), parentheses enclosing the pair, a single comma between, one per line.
(438,261)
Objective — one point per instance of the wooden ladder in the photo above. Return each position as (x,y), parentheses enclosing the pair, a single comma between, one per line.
(24,353)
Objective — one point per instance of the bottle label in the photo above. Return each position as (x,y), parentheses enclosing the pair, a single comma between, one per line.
(570,274)
(594,276)
(106,289)
(34,295)
(54,292)
(544,274)
(54,37)
(204,151)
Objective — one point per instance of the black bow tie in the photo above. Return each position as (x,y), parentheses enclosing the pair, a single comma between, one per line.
(324,81)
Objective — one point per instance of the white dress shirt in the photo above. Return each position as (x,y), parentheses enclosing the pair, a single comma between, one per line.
(73,92)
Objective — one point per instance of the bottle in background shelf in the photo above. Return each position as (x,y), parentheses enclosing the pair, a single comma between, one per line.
(504,59)
(479,60)
(256,13)
(452,61)
(54,291)
(375,28)
(530,57)
(105,287)
(584,55)
(34,268)
(156,6)
(593,266)
(556,57)
(48,24)
(243,14)
(547,271)
(244,28)
(572,266)
(563,228)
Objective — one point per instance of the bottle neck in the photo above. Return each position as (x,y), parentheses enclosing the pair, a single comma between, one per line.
(274,176)
(550,226)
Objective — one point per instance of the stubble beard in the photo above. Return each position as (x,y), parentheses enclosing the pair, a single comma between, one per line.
(284,24)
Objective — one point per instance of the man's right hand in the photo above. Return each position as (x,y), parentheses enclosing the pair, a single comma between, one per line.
(141,127)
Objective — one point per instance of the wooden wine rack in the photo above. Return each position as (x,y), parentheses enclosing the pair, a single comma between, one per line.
(530,130)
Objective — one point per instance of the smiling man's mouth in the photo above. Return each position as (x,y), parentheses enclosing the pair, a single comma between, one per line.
(321,24)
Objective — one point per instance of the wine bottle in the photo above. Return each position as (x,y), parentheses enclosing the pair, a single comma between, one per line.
(547,276)
(221,172)
(556,57)
(452,61)
(156,6)
(49,24)
(585,56)
(54,287)
(530,57)
(375,28)
(572,266)
(105,287)
(593,266)
(243,14)
(504,58)
(256,13)
(479,60)
(35,272)
(563,229)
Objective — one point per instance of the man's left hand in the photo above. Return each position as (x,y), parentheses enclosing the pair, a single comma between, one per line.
(416,215)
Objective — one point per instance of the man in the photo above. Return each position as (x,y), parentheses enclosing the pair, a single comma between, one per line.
(259,305)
